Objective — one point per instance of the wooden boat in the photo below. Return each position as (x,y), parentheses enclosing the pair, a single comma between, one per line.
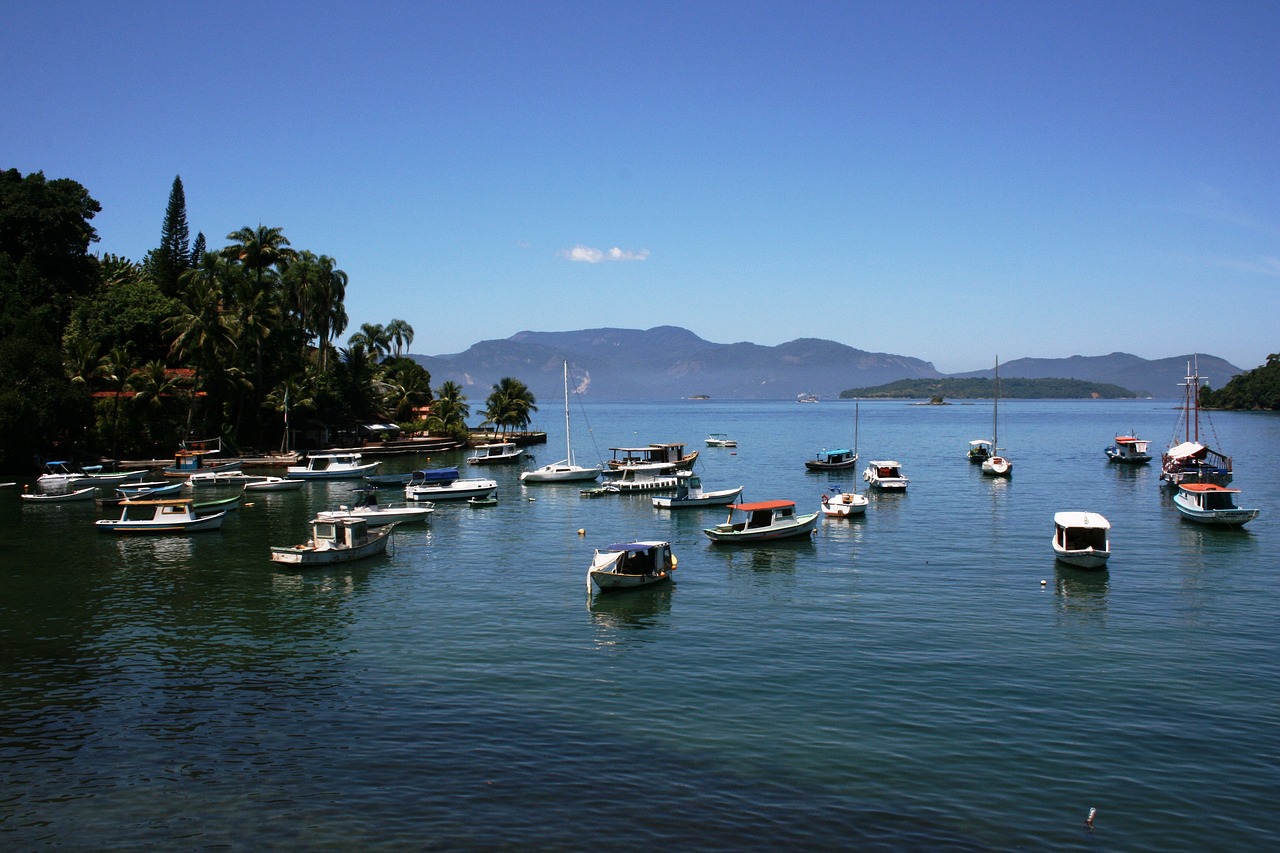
(1192,461)
(832,460)
(720,439)
(690,494)
(498,453)
(885,475)
(841,504)
(443,484)
(1209,503)
(85,494)
(94,476)
(366,506)
(227,504)
(979,451)
(338,540)
(160,517)
(1128,450)
(762,521)
(274,484)
(196,456)
(331,466)
(630,565)
(996,465)
(1081,539)
(641,478)
(671,453)
(150,488)
(566,470)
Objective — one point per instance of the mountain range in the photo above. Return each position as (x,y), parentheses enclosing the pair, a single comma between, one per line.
(668,362)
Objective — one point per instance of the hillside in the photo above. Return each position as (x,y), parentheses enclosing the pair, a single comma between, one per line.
(984,389)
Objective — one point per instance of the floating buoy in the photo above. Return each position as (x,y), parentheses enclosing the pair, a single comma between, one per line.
(1044,583)
(1093,812)
(582,531)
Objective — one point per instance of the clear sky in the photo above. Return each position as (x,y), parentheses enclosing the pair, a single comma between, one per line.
(945,180)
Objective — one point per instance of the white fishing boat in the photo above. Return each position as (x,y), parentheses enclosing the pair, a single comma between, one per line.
(338,540)
(85,494)
(498,453)
(762,521)
(630,565)
(331,466)
(1128,450)
(444,484)
(566,470)
(641,478)
(996,465)
(1209,503)
(842,504)
(274,484)
(1081,539)
(1192,461)
(720,439)
(366,506)
(885,475)
(690,494)
(160,517)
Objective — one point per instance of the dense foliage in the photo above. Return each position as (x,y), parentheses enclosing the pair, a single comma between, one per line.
(1254,389)
(108,356)
(980,389)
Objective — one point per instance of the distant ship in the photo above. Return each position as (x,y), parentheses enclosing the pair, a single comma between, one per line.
(807,398)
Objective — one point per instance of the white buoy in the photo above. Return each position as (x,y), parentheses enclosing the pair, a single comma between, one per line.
(1093,812)
(582,531)
(1044,583)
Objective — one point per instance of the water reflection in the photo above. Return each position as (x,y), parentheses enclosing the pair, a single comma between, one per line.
(765,557)
(635,609)
(154,551)
(1081,592)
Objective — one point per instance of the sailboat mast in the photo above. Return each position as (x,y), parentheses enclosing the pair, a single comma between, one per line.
(995,413)
(568,445)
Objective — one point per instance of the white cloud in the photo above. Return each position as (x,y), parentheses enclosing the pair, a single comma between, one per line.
(589,255)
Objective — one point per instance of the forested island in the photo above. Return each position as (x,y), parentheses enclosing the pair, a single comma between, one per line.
(1256,389)
(985,389)
(115,357)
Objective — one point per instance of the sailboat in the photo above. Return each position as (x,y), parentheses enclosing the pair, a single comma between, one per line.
(1191,461)
(996,465)
(564,471)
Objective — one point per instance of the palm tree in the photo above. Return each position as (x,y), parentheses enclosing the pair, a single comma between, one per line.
(509,404)
(315,291)
(373,339)
(259,249)
(401,335)
(449,409)
(200,331)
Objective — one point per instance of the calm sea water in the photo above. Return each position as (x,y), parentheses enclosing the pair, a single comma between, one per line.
(901,682)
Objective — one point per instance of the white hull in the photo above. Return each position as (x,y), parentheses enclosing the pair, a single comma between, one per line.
(560,472)
(305,555)
(274,484)
(1086,558)
(723,497)
(603,581)
(381,516)
(997,466)
(801,525)
(455,491)
(334,473)
(85,494)
(162,528)
(844,505)
(1218,517)
(1081,539)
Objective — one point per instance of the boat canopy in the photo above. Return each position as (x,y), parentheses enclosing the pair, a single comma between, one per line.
(635,547)
(1081,519)
(752,507)
(1205,488)
(1188,450)
(435,475)
(979,442)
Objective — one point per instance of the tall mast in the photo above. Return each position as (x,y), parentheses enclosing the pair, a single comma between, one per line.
(568,446)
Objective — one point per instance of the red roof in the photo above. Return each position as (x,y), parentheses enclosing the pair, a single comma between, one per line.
(1204,487)
(763,505)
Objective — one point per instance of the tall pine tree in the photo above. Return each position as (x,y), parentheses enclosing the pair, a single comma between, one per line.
(173,257)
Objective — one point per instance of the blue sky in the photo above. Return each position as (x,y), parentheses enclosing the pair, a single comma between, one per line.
(941,180)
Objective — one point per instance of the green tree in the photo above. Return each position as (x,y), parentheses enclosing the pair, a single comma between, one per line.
(401,335)
(509,405)
(173,257)
(201,334)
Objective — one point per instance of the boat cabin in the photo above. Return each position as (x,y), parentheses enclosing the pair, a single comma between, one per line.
(325,461)
(343,532)
(671,454)
(760,514)
(836,457)
(1079,531)
(505,451)
(641,558)
(887,470)
(1210,498)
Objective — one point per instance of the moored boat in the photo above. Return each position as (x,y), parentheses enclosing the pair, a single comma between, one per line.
(885,475)
(59,472)
(366,506)
(1192,461)
(630,565)
(566,470)
(689,494)
(85,494)
(95,476)
(996,465)
(979,451)
(1209,503)
(832,460)
(1128,450)
(762,521)
(160,517)
(338,540)
(331,466)
(641,478)
(274,484)
(197,456)
(669,453)
(720,439)
(497,453)
(1081,539)
(443,484)
(842,504)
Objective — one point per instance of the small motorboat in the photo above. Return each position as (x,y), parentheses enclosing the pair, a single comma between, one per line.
(274,484)
(331,466)
(59,472)
(366,506)
(630,565)
(481,501)
(885,475)
(832,460)
(979,451)
(495,454)
(689,494)
(654,477)
(762,521)
(160,517)
(337,540)
(1081,539)
(1209,503)
(443,484)
(720,439)
(1128,450)
(841,504)
(150,488)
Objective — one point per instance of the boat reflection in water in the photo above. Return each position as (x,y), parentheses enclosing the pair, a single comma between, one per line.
(1080,592)
(638,610)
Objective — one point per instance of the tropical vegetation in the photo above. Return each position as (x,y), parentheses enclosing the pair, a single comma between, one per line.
(105,355)
(1254,389)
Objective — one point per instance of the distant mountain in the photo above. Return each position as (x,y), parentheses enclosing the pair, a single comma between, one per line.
(668,362)
(1146,378)
(984,389)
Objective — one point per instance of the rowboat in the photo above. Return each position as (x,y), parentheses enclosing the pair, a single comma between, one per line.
(761,522)
(338,540)
(630,565)
(1080,539)
(85,494)
(274,484)
(160,517)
